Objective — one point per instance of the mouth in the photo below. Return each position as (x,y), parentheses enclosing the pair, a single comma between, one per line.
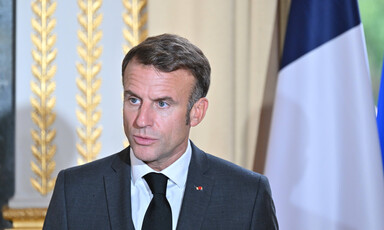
(143,140)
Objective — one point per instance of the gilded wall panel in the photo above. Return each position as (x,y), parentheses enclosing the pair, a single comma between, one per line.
(42,99)
(135,18)
(89,82)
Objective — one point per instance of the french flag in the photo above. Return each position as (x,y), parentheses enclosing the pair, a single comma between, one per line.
(323,159)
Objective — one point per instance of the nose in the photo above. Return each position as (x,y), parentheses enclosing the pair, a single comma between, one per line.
(144,116)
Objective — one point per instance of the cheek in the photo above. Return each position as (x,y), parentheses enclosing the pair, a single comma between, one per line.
(172,117)
(176,123)
(128,116)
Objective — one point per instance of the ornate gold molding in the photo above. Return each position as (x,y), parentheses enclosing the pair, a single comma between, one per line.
(135,19)
(88,83)
(42,100)
(25,218)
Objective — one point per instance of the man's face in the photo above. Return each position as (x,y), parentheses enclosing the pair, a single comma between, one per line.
(155,107)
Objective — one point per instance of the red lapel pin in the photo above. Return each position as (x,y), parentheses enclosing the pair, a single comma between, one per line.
(199,188)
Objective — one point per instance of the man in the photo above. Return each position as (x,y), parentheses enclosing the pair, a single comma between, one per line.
(165,79)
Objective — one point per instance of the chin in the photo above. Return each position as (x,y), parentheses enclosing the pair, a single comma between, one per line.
(143,153)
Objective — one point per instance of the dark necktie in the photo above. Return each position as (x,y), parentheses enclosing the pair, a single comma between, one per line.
(159,214)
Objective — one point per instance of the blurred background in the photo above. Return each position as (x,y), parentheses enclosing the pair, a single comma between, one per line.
(373,19)
(242,39)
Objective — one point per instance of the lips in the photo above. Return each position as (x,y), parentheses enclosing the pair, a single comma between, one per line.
(143,140)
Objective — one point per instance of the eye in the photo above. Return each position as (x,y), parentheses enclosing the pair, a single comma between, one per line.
(134,100)
(163,104)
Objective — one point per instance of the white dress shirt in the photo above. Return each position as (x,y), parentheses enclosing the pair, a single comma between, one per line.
(141,194)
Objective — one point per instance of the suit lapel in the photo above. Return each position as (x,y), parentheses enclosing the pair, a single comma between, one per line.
(198,191)
(118,191)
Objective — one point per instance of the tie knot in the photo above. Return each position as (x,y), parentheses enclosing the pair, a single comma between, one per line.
(157,182)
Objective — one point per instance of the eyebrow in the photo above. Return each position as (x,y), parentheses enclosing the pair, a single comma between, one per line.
(165,98)
(168,99)
(129,92)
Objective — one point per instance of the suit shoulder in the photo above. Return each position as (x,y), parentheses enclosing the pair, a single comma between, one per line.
(95,167)
(227,169)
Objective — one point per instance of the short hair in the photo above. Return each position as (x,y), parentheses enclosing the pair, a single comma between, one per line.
(169,52)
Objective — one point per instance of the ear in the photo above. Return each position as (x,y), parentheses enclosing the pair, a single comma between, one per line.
(198,111)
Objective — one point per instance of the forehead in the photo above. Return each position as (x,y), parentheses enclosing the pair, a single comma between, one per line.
(147,79)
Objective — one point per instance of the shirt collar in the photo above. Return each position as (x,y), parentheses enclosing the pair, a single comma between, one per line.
(176,172)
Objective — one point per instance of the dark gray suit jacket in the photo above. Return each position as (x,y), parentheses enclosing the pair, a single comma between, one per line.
(97,196)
